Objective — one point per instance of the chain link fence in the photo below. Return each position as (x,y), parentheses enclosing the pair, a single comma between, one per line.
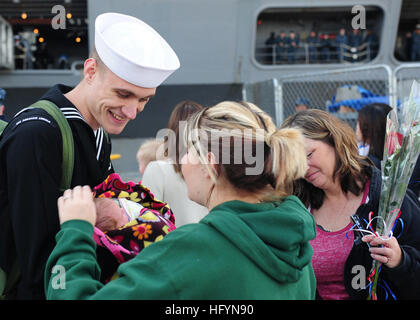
(342,92)
(403,79)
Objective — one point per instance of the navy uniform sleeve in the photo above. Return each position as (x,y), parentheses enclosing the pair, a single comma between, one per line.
(33,165)
(414,183)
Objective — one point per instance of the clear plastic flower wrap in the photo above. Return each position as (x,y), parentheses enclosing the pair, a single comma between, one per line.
(402,148)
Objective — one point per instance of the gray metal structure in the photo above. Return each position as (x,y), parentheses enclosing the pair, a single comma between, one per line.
(215,40)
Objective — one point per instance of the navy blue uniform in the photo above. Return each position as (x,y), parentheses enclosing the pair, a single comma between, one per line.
(415,47)
(340,41)
(313,44)
(30,174)
(281,48)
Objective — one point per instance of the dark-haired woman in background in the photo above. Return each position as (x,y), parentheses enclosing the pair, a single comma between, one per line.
(370,131)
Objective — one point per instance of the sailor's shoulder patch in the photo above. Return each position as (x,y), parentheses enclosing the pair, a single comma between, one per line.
(32,118)
(33,114)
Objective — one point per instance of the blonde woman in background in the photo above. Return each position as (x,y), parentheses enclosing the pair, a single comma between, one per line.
(147,153)
(253,244)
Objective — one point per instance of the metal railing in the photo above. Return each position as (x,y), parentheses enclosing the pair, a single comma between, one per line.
(314,53)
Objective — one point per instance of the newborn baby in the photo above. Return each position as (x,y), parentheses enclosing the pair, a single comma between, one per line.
(112,214)
(129,218)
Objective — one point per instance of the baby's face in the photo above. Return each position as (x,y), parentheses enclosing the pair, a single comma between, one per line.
(118,213)
(109,214)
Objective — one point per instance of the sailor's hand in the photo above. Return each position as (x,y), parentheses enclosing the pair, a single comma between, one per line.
(388,251)
(77,204)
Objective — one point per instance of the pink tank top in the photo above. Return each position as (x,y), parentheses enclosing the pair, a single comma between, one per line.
(331,250)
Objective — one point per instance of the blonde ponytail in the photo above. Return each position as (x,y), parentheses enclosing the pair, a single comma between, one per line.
(289,161)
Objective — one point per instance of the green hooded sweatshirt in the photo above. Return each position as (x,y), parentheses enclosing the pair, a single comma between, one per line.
(238,251)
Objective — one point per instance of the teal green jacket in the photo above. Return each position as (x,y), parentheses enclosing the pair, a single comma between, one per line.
(238,251)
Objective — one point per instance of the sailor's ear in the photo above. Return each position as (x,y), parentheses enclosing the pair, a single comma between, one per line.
(90,69)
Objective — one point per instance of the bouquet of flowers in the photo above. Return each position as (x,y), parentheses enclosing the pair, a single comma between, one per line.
(402,148)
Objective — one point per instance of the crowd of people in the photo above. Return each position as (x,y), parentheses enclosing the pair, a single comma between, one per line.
(412,45)
(241,210)
(324,47)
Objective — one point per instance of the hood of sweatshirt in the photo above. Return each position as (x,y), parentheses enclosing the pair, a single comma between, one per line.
(274,235)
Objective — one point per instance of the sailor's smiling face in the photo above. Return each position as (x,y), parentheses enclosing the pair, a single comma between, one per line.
(113,102)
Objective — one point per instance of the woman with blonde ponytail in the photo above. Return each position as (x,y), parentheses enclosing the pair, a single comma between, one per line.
(253,244)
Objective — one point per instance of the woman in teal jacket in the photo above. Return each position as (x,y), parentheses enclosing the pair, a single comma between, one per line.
(253,244)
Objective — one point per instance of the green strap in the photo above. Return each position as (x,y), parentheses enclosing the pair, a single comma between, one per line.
(3,125)
(7,282)
(67,137)
(3,278)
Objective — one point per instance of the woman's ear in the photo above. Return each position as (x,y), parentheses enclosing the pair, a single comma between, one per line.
(212,163)
(211,158)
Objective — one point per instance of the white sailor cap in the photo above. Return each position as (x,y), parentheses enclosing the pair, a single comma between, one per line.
(133,50)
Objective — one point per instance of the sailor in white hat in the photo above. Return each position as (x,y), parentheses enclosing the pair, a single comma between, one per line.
(129,61)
